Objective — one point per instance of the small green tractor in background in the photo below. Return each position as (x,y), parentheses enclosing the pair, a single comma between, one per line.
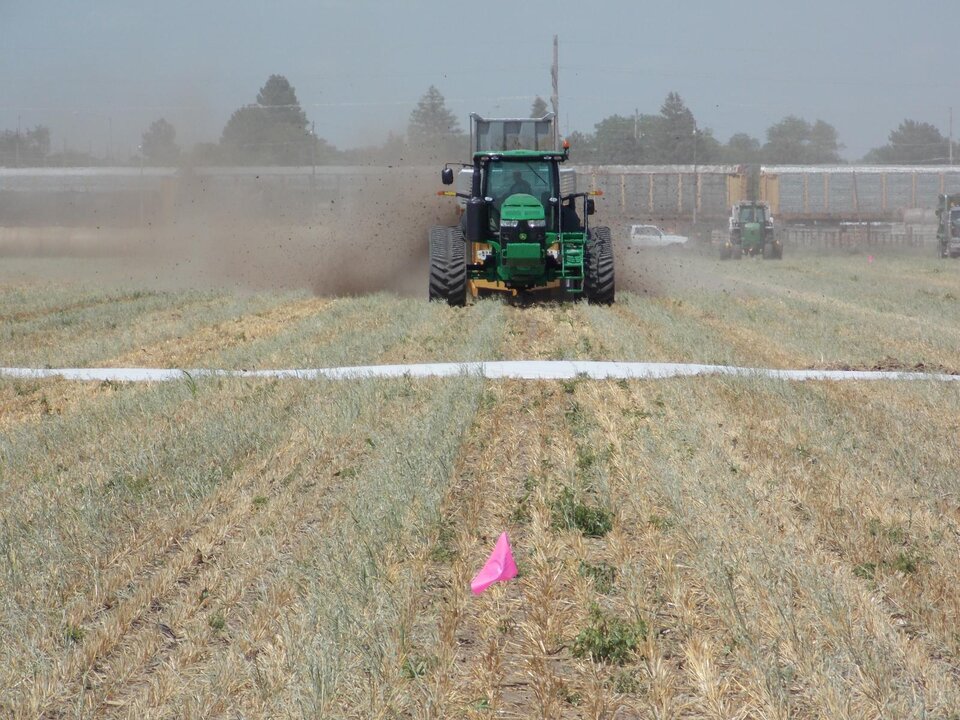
(520,230)
(948,229)
(751,233)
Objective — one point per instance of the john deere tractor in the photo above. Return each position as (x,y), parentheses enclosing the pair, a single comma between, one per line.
(948,230)
(524,229)
(751,233)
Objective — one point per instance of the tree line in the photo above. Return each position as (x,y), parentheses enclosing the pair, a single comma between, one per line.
(275,130)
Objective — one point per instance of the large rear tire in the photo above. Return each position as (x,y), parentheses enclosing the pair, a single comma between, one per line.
(448,265)
(736,252)
(598,285)
(768,252)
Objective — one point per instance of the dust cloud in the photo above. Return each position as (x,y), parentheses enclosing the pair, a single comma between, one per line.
(347,231)
(370,236)
(662,272)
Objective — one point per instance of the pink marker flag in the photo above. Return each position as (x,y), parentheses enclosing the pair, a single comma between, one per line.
(500,566)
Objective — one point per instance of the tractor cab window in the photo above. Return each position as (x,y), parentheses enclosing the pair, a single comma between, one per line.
(509,178)
(526,134)
(504,179)
(955,222)
(752,215)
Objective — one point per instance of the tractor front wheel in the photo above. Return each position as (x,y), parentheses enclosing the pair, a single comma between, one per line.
(598,283)
(736,252)
(448,265)
(768,252)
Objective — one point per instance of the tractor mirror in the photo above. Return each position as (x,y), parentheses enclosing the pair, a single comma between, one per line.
(446,176)
(591,206)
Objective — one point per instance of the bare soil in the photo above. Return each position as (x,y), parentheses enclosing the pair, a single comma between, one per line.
(891,364)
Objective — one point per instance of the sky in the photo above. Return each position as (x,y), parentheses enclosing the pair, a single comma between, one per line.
(99,72)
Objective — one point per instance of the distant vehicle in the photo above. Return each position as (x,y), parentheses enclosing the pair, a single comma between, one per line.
(652,236)
(751,233)
(948,230)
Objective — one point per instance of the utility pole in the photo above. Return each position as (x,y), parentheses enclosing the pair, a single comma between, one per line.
(313,151)
(696,175)
(140,148)
(951,136)
(555,97)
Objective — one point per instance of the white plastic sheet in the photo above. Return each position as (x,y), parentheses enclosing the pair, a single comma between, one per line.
(506,369)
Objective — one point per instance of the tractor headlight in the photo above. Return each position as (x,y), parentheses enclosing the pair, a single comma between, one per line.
(537,223)
(509,223)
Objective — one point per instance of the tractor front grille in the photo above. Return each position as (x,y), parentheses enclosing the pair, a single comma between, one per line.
(522,232)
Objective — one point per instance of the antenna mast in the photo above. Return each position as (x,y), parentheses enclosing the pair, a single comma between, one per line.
(555,97)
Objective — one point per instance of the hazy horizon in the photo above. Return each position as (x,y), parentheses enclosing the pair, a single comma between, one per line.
(99,75)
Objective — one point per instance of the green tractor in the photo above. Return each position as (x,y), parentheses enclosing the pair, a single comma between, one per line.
(751,233)
(520,230)
(948,229)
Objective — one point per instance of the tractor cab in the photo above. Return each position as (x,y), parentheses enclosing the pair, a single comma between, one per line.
(517,182)
(513,218)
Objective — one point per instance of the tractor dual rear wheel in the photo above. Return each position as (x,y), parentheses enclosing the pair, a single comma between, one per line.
(598,285)
(772,251)
(448,265)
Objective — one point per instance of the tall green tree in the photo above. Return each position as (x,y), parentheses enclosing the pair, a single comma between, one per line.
(582,148)
(675,131)
(793,140)
(159,143)
(787,141)
(741,149)
(539,107)
(824,145)
(431,121)
(913,143)
(273,131)
(616,141)
(673,137)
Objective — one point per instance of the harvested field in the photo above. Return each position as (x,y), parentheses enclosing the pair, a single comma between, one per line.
(705,547)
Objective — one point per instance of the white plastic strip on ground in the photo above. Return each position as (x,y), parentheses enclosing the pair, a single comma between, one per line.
(510,369)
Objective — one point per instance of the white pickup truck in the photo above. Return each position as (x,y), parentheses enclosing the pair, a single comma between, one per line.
(652,236)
